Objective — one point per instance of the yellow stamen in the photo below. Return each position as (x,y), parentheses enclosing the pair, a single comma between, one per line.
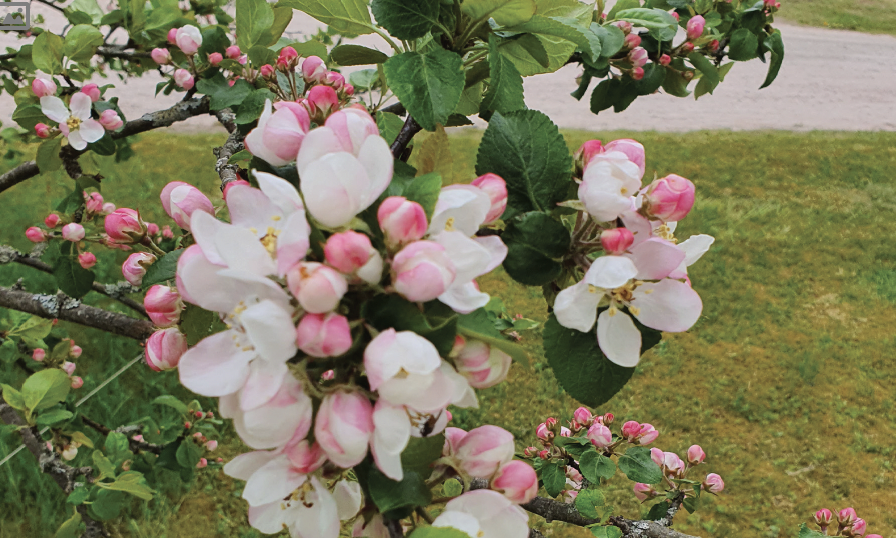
(449,224)
(612,311)
(593,289)
(72,123)
(634,310)
(269,241)
(275,218)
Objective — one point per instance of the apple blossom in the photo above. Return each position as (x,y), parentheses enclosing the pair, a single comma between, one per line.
(823,517)
(422,271)
(665,59)
(483,450)
(401,220)
(670,198)
(42,130)
(321,101)
(43,86)
(73,232)
(75,350)
(616,240)
(608,183)
(404,368)
(713,483)
(517,481)
(644,491)
(638,57)
(161,56)
(264,415)
(695,27)
(343,427)
(135,266)
(211,446)
(351,253)
(638,73)
(180,200)
(858,528)
(215,58)
(496,188)
(483,365)
(279,133)
(314,70)
(87,259)
(334,80)
(163,305)
(672,464)
(165,348)
(696,455)
(188,39)
(184,79)
(287,58)
(631,41)
(543,432)
(317,287)
(172,36)
(39,354)
(233,52)
(124,225)
(77,382)
(600,435)
(93,202)
(846,516)
(36,235)
(324,335)
(108,208)
(583,416)
(110,120)
(68,367)
(77,125)
(93,91)
(484,514)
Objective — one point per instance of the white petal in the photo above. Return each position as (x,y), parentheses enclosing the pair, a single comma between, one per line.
(216,366)
(80,105)
(655,258)
(271,330)
(317,143)
(293,242)
(281,192)
(461,521)
(91,130)
(610,272)
(272,482)
(668,305)
(463,206)
(495,247)
(376,157)
(270,518)
(254,287)
(265,380)
(321,520)
(464,298)
(242,466)
(204,228)
(348,499)
(618,338)
(241,250)
(576,307)
(251,208)
(55,109)
(333,187)
(695,247)
(76,141)
(470,258)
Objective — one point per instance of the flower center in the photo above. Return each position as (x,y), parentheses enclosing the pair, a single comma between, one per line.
(449,224)
(269,241)
(665,232)
(72,123)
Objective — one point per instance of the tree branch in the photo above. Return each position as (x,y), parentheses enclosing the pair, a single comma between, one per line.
(113,291)
(127,431)
(60,306)
(18,174)
(408,130)
(234,144)
(52,5)
(394,528)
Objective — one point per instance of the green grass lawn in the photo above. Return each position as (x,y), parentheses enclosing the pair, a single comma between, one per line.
(786,380)
(870,16)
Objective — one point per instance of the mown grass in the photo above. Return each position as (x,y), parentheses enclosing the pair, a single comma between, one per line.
(785,381)
(870,16)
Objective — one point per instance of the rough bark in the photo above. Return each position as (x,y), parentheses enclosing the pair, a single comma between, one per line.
(234,144)
(60,306)
(18,174)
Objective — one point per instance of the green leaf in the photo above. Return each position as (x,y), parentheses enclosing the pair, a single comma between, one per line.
(438,532)
(587,502)
(505,12)
(53,416)
(163,270)
(389,125)
(566,28)
(406,19)
(387,311)
(675,84)
(806,532)
(775,45)
(13,397)
(648,18)
(261,55)
(517,50)
(432,155)
(710,72)
(70,528)
(189,454)
(654,75)
(48,158)
(45,389)
(611,39)
(81,42)
(107,504)
(131,482)
(638,467)
(595,466)
(90,8)
(253,18)
(534,242)
(608,531)
(527,150)
(743,45)
(425,191)
(117,448)
(78,495)
(580,367)
(691,504)
(622,5)
(479,326)
(253,105)
(72,279)
(347,55)
(9,351)
(347,17)
(197,323)
(505,89)
(390,495)
(172,402)
(421,452)
(553,475)
(47,53)
(29,115)
(657,511)
(103,465)
(34,327)
(214,39)
(270,36)
(428,85)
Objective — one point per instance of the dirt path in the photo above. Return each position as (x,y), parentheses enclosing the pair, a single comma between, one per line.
(831,80)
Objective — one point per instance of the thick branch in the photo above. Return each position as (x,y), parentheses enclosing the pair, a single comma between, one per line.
(62,307)
(114,291)
(18,174)
(121,52)
(394,528)
(234,144)
(395,108)
(408,130)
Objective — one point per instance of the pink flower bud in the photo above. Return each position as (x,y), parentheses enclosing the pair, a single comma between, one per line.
(87,259)
(183,79)
(632,149)
(167,233)
(287,58)
(695,27)
(543,433)
(869,535)
(672,464)
(152,228)
(401,220)
(625,26)
(823,517)
(172,36)
(638,58)
(211,446)
(647,435)
(638,73)
(544,454)
(352,253)
(125,226)
(696,455)
(52,220)
(329,375)
(108,208)
(42,130)
(73,232)
(687,48)
(496,189)
(631,41)
(243,60)
(91,90)
(110,120)
(343,427)
(422,271)
(135,266)
(713,483)
(348,90)
(233,52)
(846,517)
(583,416)
(36,235)
(608,418)
(676,16)
(324,335)
(203,463)
(658,456)
(617,240)
(586,152)
(68,367)
(483,450)
(665,59)
(551,423)
(644,491)
(163,305)
(631,430)
(188,39)
(306,457)
(321,101)
(517,481)
(334,80)
(314,70)
(77,382)
(858,528)
(161,56)
(453,436)
(317,287)
(215,58)
(574,475)
(180,200)
(600,435)
(483,365)
(39,354)
(75,351)
(671,198)
(713,46)
(165,348)
(43,86)
(94,202)
(267,70)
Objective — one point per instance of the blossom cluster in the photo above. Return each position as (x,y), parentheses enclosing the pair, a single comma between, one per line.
(643,272)
(75,121)
(848,523)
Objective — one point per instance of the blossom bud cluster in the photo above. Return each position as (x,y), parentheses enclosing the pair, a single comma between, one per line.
(848,523)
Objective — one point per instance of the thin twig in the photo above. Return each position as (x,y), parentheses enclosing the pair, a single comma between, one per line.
(408,130)
(128,431)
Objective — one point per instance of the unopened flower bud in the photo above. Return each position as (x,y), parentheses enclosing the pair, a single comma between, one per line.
(314,70)
(152,228)
(77,382)
(823,518)
(859,526)
(92,90)
(267,70)
(517,481)
(644,491)
(544,454)
(543,433)
(846,517)
(352,253)
(43,86)
(135,266)
(108,208)
(188,39)
(647,435)
(631,41)
(164,349)
(73,232)
(161,56)
(713,483)
(203,463)
(163,305)
(68,367)
(713,46)
(71,451)
(36,235)
(496,188)
(670,199)
(125,226)
(630,430)
(93,202)
(215,58)
(665,59)
(658,456)
(324,335)
(625,26)
(52,220)
(585,153)
(483,450)
(39,354)
(287,58)
(321,101)
(318,287)
(75,351)
(167,233)
(233,52)
(184,79)
(638,57)
(335,80)
(180,200)
(695,27)
(617,240)
(87,259)
(172,36)
(42,130)
(696,455)
(211,446)
(483,365)
(329,375)
(686,48)
(401,220)
(638,73)
(608,418)
(583,416)
(600,435)
(110,120)
(530,452)
(422,271)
